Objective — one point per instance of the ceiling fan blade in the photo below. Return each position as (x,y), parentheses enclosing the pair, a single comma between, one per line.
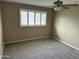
(70,5)
(65,7)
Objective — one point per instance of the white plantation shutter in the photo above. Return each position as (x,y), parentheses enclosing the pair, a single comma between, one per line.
(32,18)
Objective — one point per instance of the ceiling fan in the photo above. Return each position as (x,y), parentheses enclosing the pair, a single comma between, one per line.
(59,5)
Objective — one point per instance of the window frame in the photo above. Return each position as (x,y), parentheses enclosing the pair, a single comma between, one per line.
(30,10)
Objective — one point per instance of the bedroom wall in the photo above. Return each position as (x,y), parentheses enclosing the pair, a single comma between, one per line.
(1,36)
(67,25)
(12,30)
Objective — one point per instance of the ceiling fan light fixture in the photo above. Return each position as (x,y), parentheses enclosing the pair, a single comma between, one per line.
(57,8)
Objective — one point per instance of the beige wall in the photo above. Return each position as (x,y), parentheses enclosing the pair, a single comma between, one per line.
(12,30)
(1,44)
(67,25)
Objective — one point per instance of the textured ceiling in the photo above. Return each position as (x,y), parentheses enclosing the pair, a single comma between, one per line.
(43,2)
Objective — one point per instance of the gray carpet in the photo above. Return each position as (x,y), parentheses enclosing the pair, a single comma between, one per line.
(40,49)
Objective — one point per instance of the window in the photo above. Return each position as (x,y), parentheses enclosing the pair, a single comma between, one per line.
(32,18)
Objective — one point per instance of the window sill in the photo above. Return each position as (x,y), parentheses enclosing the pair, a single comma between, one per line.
(33,26)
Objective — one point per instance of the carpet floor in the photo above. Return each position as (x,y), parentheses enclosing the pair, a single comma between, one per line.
(40,49)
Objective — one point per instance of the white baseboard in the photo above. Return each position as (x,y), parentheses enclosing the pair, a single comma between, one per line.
(24,40)
(66,43)
(43,38)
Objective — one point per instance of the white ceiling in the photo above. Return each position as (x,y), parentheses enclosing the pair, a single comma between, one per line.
(42,2)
